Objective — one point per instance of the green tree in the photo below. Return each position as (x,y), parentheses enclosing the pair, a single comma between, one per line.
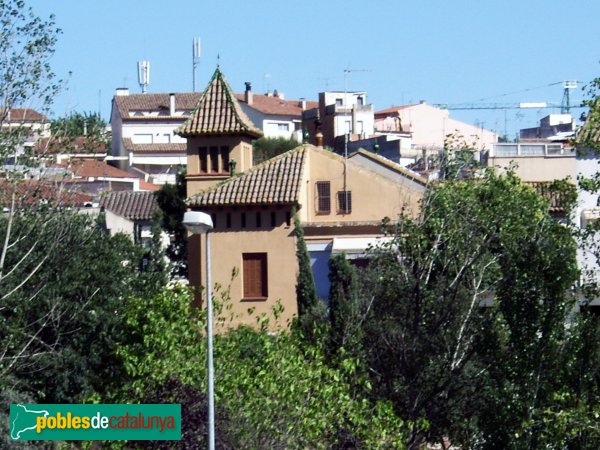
(26,79)
(267,148)
(344,308)
(62,298)
(469,305)
(88,124)
(171,201)
(272,391)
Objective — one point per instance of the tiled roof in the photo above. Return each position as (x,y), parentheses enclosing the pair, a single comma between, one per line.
(130,205)
(185,101)
(276,181)
(392,166)
(277,106)
(80,144)
(87,168)
(153,148)
(23,115)
(218,112)
(145,186)
(34,192)
(393,109)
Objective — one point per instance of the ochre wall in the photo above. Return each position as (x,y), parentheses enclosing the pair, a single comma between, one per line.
(373,196)
(227,247)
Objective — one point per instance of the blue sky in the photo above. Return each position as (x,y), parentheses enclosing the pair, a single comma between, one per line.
(439,51)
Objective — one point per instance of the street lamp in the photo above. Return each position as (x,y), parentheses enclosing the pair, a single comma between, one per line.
(197,222)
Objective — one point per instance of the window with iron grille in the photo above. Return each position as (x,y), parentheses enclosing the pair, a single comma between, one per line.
(254,275)
(344,202)
(323,197)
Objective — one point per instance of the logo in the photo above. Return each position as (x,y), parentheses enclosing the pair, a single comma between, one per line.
(95,422)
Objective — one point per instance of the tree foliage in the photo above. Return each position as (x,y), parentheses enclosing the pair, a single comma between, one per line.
(468,308)
(273,391)
(267,148)
(64,284)
(171,201)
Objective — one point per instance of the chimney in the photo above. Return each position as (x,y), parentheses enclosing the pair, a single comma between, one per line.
(302,104)
(319,139)
(122,91)
(171,104)
(248,95)
(278,94)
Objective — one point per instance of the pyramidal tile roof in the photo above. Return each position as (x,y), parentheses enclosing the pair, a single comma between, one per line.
(218,112)
(276,181)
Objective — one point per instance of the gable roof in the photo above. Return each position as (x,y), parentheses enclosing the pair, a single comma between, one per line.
(64,145)
(277,106)
(154,148)
(218,112)
(88,168)
(140,205)
(126,104)
(276,181)
(22,115)
(395,109)
(389,164)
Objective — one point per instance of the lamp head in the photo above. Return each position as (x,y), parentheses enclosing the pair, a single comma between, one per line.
(197,222)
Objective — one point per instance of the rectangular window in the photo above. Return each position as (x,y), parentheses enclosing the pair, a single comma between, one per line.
(214,160)
(224,159)
(273,218)
(283,127)
(203,154)
(323,197)
(254,274)
(213,216)
(258,220)
(288,218)
(228,220)
(243,220)
(339,102)
(344,202)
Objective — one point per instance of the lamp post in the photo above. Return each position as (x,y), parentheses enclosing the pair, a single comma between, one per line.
(197,222)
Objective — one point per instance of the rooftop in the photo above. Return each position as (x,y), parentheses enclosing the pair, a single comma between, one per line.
(130,205)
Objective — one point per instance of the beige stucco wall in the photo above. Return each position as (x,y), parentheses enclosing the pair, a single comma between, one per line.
(240,152)
(373,195)
(228,246)
(538,168)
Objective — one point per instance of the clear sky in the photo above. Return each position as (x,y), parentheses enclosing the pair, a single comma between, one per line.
(440,51)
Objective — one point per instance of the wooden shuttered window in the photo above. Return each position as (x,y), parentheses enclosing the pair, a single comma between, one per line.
(254,275)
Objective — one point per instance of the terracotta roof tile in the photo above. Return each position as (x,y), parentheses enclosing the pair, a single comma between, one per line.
(23,115)
(80,144)
(394,109)
(218,112)
(153,148)
(131,205)
(86,168)
(276,181)
(34,192)
(125,104)
(277,106)
(392,166)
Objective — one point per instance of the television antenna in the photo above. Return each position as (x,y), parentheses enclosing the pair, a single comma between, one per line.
(195,60)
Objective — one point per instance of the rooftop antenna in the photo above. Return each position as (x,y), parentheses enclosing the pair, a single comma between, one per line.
(195,60)
(267,85)
(144,75)
(565,107)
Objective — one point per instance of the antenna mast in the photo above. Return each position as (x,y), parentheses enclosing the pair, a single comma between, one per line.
(195,60)
(565,107)
(144,75)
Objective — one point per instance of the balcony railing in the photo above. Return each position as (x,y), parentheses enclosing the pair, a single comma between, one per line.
(530,149)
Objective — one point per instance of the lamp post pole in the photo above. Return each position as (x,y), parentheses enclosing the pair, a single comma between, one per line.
(209,334)
(197,222)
